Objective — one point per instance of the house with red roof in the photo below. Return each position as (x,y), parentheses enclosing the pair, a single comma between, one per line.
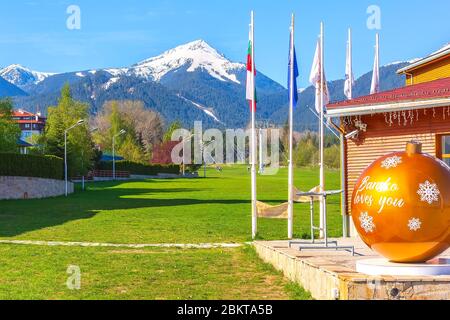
(381,123)
(29,123)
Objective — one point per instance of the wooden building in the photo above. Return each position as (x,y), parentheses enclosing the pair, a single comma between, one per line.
(382,123)
(29,123)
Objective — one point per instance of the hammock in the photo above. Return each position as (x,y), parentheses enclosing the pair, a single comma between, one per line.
(273,212)
(281,211)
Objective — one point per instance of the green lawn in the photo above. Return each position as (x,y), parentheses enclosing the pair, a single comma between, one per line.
(216,209)
(41,273)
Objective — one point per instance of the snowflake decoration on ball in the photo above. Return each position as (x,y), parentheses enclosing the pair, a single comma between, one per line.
(367,222)
(391,162)
(414,224)
(428,192)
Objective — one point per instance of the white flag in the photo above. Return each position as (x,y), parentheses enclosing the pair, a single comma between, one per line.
(375,87)
(349,78)
(315,79)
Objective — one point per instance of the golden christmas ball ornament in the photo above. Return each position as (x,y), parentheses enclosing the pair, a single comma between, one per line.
(401,206)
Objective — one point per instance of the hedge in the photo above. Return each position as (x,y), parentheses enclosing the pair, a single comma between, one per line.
(140,169)
(22,165)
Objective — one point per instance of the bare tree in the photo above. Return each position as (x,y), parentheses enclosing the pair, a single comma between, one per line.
(147,124)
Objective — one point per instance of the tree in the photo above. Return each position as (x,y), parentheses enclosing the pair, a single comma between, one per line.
(306,153)
(9,130)
(172,128)
(79,140)
(333,157)
(143,129)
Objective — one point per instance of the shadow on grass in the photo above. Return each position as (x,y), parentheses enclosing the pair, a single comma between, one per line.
(19,217)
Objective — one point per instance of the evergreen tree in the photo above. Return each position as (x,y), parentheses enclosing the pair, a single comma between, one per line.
(79,141)
(172,128)
(9,130)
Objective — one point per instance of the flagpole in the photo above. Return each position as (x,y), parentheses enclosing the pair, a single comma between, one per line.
(291,139)
(350,49)
(349,94)
(261,151)
(322,138)
(254,154)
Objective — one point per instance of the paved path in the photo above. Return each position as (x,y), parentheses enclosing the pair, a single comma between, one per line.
(114,245)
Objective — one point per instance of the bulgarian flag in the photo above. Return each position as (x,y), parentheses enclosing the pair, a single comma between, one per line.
(251,88)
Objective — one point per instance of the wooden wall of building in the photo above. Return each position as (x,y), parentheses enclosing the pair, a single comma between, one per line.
(381,139)
(436,70)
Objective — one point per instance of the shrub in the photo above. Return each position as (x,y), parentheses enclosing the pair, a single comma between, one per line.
(21,165)
(333,157)
(140,169)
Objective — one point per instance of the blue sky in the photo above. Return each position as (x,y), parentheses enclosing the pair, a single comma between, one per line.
(117,33)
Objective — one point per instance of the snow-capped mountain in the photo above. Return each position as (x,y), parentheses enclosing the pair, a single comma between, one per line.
(22,77)
(190,82)
(197,54)
(193,55)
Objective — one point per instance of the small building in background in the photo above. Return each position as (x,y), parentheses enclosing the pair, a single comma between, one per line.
(379,124)
(23,146)
(109,158)
(29,123)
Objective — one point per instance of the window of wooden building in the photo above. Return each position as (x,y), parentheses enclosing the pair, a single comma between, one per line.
(445,148)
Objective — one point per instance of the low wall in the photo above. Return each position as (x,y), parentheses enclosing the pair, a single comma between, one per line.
(31,188)
(332,275)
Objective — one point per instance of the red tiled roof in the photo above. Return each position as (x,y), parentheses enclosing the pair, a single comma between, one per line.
(30,121)
(423,91)
(23,113)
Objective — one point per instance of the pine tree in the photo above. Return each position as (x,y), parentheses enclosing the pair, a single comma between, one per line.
(172,128)
(9,130)
(79,141)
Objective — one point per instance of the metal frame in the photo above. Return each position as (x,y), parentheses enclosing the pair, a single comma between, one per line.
(326,244)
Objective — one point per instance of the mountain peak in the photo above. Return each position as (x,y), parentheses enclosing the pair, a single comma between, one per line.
(22,76)
(193,55)
(198,45)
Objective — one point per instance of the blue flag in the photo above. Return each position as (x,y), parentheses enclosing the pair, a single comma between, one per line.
(294,94)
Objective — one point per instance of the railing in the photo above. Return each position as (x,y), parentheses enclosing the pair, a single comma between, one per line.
(109,174)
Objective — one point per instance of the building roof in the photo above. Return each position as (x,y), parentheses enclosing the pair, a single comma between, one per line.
(23,113)
(23,144)
(424,95)
(108,157)
(440,54)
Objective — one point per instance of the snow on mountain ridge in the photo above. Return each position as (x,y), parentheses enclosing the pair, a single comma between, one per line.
(208,111)
(22,76)
(193,55)
(197,54)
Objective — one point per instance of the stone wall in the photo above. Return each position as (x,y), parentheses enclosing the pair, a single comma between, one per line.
(332,275)
(31,188)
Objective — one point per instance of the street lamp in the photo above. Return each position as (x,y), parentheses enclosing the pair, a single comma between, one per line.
(79,123)
(122,132)
(82,162)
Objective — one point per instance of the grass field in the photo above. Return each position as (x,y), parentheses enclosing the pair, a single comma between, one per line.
(216,209)
(40,273)
(210,210)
